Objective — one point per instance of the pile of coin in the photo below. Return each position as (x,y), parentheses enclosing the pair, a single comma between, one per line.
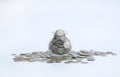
(60,51)
(82,56)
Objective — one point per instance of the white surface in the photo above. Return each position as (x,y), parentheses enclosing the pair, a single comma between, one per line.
(27,26)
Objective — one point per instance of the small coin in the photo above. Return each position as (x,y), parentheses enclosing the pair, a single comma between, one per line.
(58,61)
(51,61)
(90,58)
(111,53)
(68,62)
(76,61)
(97,53)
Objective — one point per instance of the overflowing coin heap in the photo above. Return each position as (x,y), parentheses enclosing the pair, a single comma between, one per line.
(60,51)
(82,56)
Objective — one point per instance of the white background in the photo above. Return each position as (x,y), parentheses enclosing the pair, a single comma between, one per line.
(28,25)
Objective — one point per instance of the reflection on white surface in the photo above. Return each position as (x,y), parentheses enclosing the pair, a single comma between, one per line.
(107,66)
(27,26)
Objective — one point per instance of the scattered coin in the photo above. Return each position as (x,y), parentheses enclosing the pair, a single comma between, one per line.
(111,53)
(51,61)
(73,57)
(91,58)
(68,62)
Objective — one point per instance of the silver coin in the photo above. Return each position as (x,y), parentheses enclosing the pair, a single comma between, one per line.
(91,58)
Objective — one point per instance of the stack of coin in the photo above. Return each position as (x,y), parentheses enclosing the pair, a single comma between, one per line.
(60,44)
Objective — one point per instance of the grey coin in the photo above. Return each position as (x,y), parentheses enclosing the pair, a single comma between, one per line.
(51,61)
(68,62)
(90,58)
(98,53)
